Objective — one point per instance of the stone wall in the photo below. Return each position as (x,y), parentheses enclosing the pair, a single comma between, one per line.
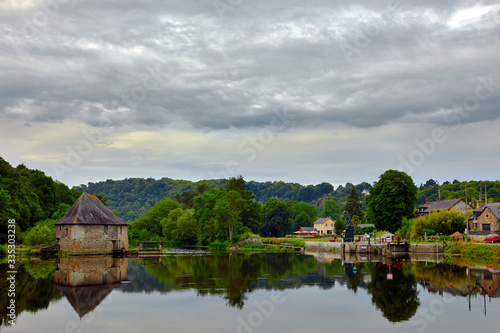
(87,271)
(91,239)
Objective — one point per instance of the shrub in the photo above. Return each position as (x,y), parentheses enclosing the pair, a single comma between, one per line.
(217,245)
(3,250)
(367,230)
(41,234)
(429,232)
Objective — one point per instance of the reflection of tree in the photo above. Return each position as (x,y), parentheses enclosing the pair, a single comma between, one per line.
(396,298)
(33,288)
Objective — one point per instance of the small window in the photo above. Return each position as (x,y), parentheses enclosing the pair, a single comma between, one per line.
(105,229)
(66,232)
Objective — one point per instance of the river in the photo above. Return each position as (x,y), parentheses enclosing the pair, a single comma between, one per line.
(197,291)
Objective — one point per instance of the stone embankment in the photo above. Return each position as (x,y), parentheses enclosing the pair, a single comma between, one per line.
(378,248)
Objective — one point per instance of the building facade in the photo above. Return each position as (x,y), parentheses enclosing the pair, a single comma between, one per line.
(89,227)
(325,226)
(489,218)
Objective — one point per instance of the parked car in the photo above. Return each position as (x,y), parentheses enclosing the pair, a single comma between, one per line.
(493,238)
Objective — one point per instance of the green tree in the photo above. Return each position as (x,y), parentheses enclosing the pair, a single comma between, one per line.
(331,209)
(353,206)
(152,220)
(276,219)
(396,298)
(302,220)
(339,227)
(391,199)
(227,211)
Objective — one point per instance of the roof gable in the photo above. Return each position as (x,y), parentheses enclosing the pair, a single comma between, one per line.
(323,220)
(437,205)
(492,209)
(307,229)
(88,209)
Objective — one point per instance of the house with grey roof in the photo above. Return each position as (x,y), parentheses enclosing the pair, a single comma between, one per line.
(324,226)
(433,206)
(89,227)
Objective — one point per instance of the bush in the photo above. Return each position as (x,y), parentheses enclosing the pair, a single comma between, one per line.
(41,234)
(367,230)
(217,246)
(429,232)
(3,250)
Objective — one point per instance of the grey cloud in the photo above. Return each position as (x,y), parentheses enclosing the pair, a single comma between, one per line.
(224,72)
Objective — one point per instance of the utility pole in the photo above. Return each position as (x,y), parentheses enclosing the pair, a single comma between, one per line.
(466,217)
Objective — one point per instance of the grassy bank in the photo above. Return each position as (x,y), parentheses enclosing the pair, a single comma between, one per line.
(474,254)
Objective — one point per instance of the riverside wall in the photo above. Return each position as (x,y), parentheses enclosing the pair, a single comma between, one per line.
(365,248)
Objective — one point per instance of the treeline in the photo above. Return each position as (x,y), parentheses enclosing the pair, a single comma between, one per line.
(132,198)
(29,196)
(223,214)
(455,190)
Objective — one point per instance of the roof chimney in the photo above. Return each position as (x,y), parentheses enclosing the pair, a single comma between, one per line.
(427,200)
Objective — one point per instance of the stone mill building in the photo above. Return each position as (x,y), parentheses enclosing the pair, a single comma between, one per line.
(89,227)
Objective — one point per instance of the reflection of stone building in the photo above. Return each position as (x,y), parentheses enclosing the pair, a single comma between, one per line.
(89,227)
(87,281)
(490,283)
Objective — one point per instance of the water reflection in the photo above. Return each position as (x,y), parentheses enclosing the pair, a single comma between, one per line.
(396,288)
(87,281)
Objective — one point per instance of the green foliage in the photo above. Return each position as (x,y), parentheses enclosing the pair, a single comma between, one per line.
(38,269)
(368,230)
(442,221)
(406,227)
(391,199)
(397,298)
(276,219)
(428,232)
(29,196)
(133,197)
(456,190)
(353,206)
(217,246)
(3,250)
(152,220)
(303,214)
(339,227)
(331,209)
(61,211)
(42,233)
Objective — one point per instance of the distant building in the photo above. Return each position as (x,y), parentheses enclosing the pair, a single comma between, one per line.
(324,226)
(433,206)
(487,217)
(89,227)
(307,231)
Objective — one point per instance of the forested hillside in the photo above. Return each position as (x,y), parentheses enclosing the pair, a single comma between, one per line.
(133,197)
(456,189)
(29,196)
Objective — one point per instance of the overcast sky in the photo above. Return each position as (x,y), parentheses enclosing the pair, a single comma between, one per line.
(301,91)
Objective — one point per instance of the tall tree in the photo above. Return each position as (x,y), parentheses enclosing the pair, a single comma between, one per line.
(353,206)
(331,209)
(391,198)
(276,218)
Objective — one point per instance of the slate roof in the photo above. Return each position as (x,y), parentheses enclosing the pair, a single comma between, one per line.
(88,209)
(308,229)
(494,208)
(321,220)
(437,205)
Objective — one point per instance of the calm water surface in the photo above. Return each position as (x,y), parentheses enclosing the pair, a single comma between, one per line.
(195,291)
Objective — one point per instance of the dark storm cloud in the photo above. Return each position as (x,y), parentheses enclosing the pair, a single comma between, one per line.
(157,62)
